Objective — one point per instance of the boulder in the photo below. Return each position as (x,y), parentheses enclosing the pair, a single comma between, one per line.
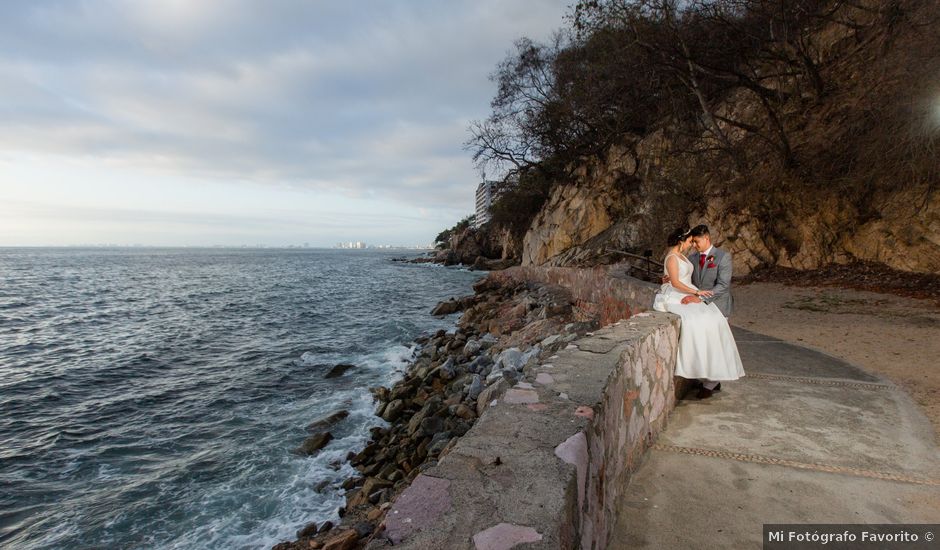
(328,420)
(446,308)
(338,370)
(308,530)
(393,410)
(314,443)
(471,348)
(511,358)
(344,540)
(476,386)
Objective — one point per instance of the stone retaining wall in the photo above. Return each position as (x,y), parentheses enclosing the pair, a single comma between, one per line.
(606,293)
(548,458)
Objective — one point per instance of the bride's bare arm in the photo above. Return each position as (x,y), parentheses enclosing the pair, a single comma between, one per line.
(672,268)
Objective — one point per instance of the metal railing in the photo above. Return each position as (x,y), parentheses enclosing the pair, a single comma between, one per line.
(647,257)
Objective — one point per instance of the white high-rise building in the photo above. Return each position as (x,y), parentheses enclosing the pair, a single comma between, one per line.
(486,192)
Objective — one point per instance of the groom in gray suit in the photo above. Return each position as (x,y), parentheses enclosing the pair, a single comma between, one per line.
(711,270)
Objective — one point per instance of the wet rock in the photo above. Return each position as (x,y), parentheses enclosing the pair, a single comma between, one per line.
(446,308)
(328,420)
(380,393)
(351,482)
(338,370)
(363,529)
(393,410)
(344,540)
(308,530)
(373,483)
(314,443)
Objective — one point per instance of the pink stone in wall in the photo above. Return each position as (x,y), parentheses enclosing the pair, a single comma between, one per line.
(418,507)
(574,451)
(544,378)
(504,536)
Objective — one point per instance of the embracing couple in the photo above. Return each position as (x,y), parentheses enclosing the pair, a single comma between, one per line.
(697,288)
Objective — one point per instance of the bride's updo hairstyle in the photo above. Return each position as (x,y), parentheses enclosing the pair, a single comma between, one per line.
(677,236)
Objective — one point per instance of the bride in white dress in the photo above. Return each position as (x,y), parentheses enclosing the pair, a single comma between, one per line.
(706,346)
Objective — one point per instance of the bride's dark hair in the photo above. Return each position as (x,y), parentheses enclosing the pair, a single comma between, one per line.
(677,236)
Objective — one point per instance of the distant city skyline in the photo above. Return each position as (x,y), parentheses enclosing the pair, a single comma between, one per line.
(176,123)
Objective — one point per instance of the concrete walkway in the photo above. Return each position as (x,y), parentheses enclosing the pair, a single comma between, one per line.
(803,438)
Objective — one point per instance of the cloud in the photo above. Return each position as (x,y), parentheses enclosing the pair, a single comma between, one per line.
(366,98)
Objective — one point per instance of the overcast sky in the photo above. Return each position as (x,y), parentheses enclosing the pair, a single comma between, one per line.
(198,122)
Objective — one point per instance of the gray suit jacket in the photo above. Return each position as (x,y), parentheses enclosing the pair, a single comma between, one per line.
(717,278)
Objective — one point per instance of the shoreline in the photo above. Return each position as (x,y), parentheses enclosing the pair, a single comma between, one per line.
(447,385)
(452,376)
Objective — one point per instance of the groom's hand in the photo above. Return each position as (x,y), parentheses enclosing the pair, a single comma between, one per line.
(691,300)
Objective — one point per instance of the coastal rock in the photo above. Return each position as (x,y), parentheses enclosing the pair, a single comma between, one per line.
(551,340)
(438,442)
(431,425)
(464,412)
(446,308)
(380,393)
(478,364)
(314,443)
(363,529)
(510,358)
(338,370)
(428,409)
(308,530)
(471,348)
(476,386)
(328,420)
(393,410)
(344,540)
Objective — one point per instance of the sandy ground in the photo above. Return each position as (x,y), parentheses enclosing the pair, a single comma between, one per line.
(890,335)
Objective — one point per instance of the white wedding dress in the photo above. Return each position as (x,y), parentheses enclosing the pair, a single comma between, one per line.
(706,345)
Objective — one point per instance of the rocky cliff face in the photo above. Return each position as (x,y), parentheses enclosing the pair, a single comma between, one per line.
(494,249)
(586,221)
(866,185)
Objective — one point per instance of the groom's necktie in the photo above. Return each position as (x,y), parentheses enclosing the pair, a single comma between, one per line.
(701,261)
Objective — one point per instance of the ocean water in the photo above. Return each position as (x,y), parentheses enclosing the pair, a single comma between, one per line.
(151,398)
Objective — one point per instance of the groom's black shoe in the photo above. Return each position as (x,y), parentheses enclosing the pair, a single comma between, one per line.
(704,393)
(717,388)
